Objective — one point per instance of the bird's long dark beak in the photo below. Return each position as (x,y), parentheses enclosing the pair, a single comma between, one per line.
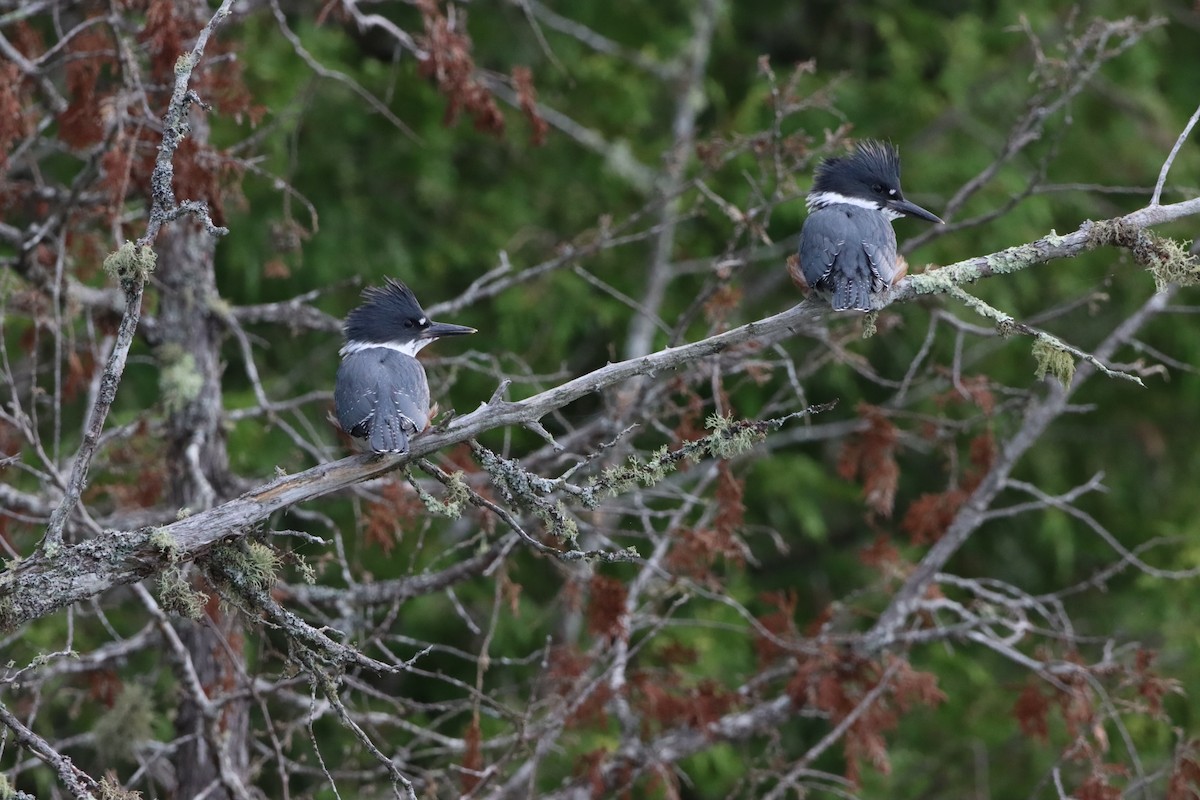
(437,330)
(913,210)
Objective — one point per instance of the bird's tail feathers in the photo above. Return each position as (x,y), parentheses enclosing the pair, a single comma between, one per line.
(388,435)
(851,294)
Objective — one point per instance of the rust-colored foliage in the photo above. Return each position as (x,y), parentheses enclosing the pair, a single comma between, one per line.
(982,455)
(81,124)
(510,590)
(196,176)
(731,510)
(655,699)
(838,682)
(104,685)
(166,36)
(1031,710)
(568,674)
(1097,787)
(1184,783)
(1076,704)
(591,764)
(695,550)
(386,517)
(606,607)
(472,762)
(12,117)
(691,415)
(882,555)
(136,477)
(677,653)
(975,389)
(527,99)
(709,702)
(10,439)
(723,302)
(664,702)
(871,456)
(930,515)
(448,62)
(81,366)
(780,624)
(1151,686)
(87,249)
(115,169)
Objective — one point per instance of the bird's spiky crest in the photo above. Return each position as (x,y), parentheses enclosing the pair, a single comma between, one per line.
(382,314)
(870,158)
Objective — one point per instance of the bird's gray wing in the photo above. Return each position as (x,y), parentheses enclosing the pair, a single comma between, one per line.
(382,396)
(848,252)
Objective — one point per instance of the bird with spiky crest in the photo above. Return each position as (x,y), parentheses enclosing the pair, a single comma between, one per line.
(847,244)
(381,393)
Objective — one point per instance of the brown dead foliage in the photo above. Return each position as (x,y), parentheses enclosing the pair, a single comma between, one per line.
(472,761)
(837,681)
(606,607)
(883,556)
(871,457)
(568,673)
(695,550)
(527,99)
(930,515)
(780,624)
(80,125)
(665,703)
(449,63)
(1031,710)
(386,517)
(1184,783)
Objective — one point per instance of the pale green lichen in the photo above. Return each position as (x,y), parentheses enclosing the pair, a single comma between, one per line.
(165,543)
(729,438)
(110,789)
(128,723)
(1171,263)
(558,520)
(261,566)
(307,573)
(455,500)
(179,382)
(1054,361)
(130,263)
(177,596)
(869,324)
(241,569)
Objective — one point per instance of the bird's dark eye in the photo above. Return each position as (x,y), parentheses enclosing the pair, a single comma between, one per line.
(408,323)
(877,188)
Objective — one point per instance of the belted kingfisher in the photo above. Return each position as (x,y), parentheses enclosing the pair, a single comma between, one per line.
(847,245)
(381,393)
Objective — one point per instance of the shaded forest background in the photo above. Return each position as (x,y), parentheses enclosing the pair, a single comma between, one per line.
(584,183)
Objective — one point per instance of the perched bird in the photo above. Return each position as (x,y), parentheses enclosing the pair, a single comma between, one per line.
(381,393)
(847,245)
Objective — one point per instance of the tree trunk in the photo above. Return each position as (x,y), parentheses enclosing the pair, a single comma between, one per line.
(198,476)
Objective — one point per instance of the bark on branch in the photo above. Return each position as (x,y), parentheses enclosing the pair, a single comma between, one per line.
(40,585)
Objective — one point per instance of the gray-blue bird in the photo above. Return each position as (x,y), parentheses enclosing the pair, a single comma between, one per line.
(847,245)
(381,393)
